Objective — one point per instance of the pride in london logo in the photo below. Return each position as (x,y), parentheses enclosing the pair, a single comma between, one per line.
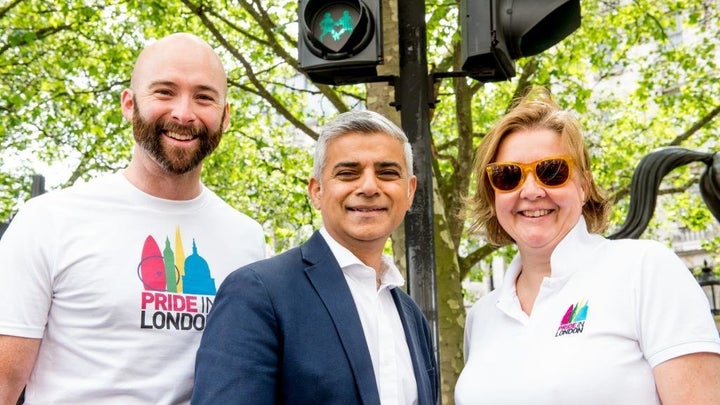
(178,291)
(574,319)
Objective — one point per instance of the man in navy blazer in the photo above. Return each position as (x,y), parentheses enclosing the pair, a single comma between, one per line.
(326,323)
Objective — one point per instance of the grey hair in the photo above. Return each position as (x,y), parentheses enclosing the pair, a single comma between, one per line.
(358,122)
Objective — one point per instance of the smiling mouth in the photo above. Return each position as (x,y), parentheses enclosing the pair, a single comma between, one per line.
(366,209)
(534,213)
(178,136)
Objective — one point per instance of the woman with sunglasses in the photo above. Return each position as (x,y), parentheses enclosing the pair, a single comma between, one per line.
(578,319)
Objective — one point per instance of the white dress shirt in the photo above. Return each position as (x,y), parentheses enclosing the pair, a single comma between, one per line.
(381,324)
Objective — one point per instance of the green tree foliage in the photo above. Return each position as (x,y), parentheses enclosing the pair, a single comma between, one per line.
(640,75)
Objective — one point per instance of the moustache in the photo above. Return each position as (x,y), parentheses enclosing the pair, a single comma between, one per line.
(187,130)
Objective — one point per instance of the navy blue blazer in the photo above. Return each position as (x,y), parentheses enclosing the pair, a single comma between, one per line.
(285,330)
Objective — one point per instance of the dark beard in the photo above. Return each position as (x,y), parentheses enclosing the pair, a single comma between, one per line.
(149,135)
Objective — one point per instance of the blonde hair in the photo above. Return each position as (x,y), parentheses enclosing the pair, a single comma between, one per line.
(537,110)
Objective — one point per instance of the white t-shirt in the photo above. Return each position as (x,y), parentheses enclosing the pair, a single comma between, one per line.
(118,284)
(610,312)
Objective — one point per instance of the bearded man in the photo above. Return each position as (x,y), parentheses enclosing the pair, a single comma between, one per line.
(105,286)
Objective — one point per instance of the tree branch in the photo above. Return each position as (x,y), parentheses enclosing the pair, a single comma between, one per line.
(696,127)
(466,263)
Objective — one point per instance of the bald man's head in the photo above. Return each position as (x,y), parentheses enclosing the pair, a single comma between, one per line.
(181,51)
(177,102)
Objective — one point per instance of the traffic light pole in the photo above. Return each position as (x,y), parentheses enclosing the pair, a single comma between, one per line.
(412,92)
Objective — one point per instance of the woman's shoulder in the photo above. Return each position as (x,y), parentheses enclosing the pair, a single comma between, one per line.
(484,302)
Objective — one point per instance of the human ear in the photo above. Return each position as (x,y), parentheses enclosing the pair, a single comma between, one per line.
(127,104)
(315,192)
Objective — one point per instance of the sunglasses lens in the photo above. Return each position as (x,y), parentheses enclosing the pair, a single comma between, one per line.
(553,172)
(506,177)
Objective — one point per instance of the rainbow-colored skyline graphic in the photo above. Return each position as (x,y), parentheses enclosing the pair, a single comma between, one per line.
(574,319)
(171,271)
(575,313)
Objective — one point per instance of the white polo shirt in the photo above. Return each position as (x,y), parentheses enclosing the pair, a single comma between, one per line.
(610,311)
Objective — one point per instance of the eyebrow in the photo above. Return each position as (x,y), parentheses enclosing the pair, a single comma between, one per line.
(380,165)
(200,87)
(385,165)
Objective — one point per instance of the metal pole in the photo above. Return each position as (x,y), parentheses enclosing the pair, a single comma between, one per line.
(412,92)
(38,185)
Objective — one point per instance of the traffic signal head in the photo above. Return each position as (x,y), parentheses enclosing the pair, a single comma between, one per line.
(339,41)
(497,32)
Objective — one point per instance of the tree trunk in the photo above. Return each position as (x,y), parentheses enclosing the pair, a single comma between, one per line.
(451,313)
(450,308)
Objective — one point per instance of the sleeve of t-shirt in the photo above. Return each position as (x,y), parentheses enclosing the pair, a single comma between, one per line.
(25,275)
(674,317)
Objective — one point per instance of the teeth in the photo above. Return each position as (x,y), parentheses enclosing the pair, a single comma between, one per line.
(180,137)
(536,213)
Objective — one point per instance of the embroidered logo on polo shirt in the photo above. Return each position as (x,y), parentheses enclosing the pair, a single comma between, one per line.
(574,319)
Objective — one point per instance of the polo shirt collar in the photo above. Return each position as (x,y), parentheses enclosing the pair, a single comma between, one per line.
(568,258)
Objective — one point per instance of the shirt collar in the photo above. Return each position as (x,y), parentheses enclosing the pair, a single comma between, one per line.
(354,267)
(567,258)
(573,250)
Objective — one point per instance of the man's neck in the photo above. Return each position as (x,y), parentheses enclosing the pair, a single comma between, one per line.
(371,257)
(153,180)
(370,253)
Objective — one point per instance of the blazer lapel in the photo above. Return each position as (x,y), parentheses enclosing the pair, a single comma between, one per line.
(328,280)
(411,329)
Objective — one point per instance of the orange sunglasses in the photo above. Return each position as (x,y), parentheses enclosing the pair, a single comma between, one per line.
(551,172)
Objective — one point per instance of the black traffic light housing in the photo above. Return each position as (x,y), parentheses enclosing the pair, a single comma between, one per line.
(497,32)
(340,41)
